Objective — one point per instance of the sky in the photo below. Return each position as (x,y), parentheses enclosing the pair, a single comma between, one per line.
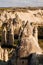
(20,3)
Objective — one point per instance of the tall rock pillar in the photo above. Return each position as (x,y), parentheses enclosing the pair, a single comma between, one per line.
(5,55)
(36,33)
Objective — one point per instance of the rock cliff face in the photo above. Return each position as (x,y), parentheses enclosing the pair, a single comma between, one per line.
(19,18)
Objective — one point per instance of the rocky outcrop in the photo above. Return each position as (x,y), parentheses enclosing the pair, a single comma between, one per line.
(28,43)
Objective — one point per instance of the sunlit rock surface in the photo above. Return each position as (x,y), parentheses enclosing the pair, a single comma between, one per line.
(28,43)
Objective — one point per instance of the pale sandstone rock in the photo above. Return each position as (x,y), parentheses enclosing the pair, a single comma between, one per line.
(28,43)
(5,55)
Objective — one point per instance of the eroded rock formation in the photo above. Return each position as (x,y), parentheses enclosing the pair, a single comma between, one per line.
(28,43)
